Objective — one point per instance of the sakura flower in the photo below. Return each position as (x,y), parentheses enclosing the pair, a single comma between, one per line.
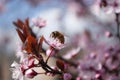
(108,34)
(56,40)
(97,75)
(20,53)
(112,64)
(38,22)
(113,77)
(67,76)
(27,63)
(55,44)
(71,53)
(17,73)
(30,73)
(78,78)
(112,6)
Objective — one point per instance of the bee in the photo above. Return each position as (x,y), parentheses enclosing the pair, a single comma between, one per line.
(103,3)
(58,35)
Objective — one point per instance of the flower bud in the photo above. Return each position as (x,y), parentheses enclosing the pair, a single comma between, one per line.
(78,78)
(97,76)
(30,73)
(67,76)
(108,34)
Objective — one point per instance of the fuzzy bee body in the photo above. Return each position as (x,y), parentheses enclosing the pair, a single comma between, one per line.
(58,35)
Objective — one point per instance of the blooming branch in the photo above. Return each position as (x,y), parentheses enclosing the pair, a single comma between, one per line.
(32,47)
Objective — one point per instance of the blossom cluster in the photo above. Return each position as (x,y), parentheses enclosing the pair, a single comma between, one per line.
(110,6)
(101,65)
(99,61)
(31,52)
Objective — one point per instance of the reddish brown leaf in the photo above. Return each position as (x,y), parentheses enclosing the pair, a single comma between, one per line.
(20,23)
(60,64)
(31,39)
(26,35)
(24,27)
(27,22)
(22,37)
(26,31)
(16,25)
(28,48)
(31,45)
(41,42)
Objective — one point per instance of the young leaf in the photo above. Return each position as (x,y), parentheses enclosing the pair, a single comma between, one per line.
(22,37)
(40,42)
(60,64)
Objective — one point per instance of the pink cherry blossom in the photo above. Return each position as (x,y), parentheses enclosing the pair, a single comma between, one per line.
(67,76)
(55,43)
(27,63)
(97,75)
(108,34)
(16,71)
(20,53)
(54,46)
(39,22)
(112,6)
(78,78)
(30,73)
(71,53)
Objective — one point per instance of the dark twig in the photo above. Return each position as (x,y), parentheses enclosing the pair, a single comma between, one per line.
(118,25)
